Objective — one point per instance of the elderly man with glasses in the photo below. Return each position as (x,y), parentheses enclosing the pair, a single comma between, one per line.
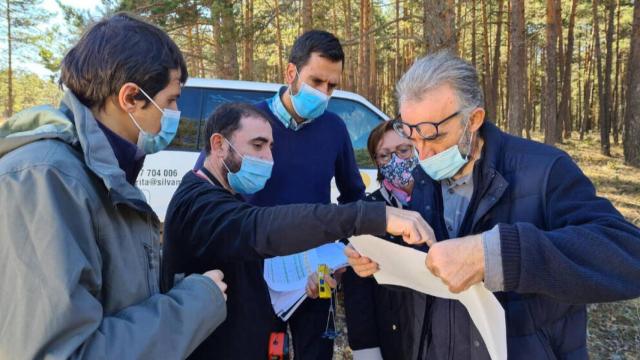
(515,214)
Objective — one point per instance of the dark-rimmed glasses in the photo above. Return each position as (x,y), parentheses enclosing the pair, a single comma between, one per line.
(403,151)
(426,130)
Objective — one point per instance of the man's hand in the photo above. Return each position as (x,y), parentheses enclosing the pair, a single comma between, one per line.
(363,266)
(458,262)
(217,276)
(410,224)
(312,284)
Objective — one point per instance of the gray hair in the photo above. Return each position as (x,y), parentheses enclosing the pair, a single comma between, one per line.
(438,69)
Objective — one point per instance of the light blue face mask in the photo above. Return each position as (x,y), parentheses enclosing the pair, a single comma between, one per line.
(252,176)
(308,103)
(153,143)
(446,164)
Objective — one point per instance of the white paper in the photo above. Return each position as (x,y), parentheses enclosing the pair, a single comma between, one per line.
(286,276)
(404,266)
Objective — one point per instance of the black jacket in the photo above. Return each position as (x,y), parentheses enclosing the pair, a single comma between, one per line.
(209,228)
(383,316)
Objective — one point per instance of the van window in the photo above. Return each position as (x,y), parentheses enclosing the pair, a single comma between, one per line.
(197,104)
(360,121)
(189,104)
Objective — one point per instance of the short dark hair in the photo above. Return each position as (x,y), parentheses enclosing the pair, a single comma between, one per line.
(315,41)
(116,50)
(226,118)
(375,136)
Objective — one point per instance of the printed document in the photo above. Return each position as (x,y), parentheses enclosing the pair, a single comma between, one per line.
(404,266)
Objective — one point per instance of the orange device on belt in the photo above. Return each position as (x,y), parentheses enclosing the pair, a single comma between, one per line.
(278,346)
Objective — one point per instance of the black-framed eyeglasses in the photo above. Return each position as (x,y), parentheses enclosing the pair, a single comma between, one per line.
(403,151)
(426,130)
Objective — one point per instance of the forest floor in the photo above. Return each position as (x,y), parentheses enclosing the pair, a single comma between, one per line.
(614,328)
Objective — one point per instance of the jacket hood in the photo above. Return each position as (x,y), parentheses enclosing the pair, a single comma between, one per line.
(74,124)
(37,123)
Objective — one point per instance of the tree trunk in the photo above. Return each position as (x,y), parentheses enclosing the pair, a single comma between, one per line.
(551,72)
(199,52)
(247,62)
(396,60)
(588,83)
(615,122)
(486,78)
(530,103)
(473,34)
(307,15)
(605,128)
(604,135)
(560,66)
(579,106)
(492,110)
(517,69)
(457,26)
(438,25)
(350,76)
(334,15)
(631,141)
(565,113)
(279,41)
(373,64)
(364,53)
(225,39)
(9,109)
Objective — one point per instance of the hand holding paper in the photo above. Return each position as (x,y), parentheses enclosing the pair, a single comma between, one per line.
(404,266)
(362,265)
(410,225)
(459,263)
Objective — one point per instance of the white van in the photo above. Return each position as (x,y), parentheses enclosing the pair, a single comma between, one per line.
(163,171)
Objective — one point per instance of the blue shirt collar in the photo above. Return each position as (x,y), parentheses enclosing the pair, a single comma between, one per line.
(280,111)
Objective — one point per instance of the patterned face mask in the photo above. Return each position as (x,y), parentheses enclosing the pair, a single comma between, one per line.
(398,171)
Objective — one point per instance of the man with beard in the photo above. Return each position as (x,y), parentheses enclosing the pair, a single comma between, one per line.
(208,223)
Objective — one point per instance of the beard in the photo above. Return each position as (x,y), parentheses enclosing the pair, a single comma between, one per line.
(233,163)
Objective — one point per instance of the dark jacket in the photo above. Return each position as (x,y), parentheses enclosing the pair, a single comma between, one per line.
(382,316)
(562,247)
(209,228)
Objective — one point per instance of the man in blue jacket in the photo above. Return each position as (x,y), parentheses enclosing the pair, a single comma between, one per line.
(513,213)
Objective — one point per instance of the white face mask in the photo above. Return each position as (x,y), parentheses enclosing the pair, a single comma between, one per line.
(446,164)
(309,103)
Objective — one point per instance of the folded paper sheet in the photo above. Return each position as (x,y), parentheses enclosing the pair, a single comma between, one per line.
(286,276)
(404,266)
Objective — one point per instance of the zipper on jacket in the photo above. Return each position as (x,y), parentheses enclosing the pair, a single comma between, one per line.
(451,332)
(149,254)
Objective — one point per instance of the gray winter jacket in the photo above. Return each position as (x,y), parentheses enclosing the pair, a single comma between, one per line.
(79,251)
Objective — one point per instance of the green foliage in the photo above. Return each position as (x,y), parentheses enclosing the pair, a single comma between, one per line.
(29,90)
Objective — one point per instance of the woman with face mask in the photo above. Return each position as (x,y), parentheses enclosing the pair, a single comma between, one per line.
(379,318)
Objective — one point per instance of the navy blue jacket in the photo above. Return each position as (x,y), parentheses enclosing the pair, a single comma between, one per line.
(562,247)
